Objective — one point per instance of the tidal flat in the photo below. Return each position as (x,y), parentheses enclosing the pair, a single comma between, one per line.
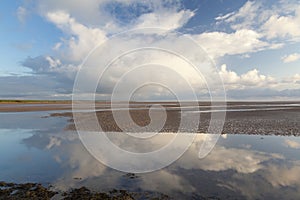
(256,157)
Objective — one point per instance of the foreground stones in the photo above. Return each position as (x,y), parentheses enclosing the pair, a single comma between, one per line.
(35,191)
(24,191)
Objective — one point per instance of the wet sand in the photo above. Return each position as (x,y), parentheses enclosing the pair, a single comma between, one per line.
(264,118)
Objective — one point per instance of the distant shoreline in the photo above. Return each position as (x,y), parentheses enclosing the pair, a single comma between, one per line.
(11,101)
(36,101)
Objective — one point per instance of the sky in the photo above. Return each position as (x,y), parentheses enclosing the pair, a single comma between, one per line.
(254,45)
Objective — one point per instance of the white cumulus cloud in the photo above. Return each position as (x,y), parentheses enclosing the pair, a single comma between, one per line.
(283,26)
(278,21)
(291,58)
(219,44)
(81,40)
(252,78)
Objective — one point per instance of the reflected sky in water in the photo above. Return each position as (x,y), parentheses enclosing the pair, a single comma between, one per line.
(36,148)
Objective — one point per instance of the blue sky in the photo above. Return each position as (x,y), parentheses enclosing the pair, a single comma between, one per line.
(255,44)
(31,36)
